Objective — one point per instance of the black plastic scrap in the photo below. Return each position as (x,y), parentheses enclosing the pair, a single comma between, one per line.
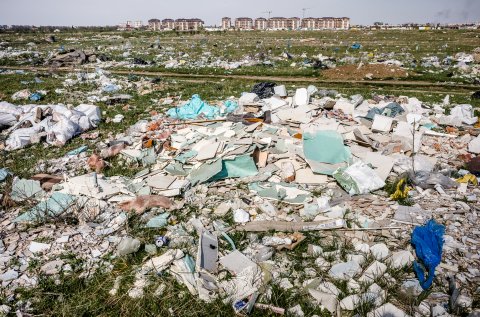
(264,89)
(317,64)
(139,61)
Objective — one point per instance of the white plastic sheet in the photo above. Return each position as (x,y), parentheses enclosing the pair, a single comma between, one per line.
(358,179)
(60,124)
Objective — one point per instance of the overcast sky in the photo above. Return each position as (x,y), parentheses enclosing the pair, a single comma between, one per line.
(112,12)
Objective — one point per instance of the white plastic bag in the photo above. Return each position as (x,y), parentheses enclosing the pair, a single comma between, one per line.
(63,131)
(358,179)
(465,113)
(20,138)
(6,107)
(92,112)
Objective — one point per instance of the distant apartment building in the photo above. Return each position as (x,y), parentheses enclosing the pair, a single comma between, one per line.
(284,23)
(168,24)
(309,23)
(277,24)
(188,24)
(155,24)
(134,24)
(261,24)
(327,23)
(179,24)
(226,23)
(244,24)
(295,23)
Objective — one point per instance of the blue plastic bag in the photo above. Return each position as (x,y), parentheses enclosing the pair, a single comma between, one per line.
(35,96)
(428,243)
(194,108)
(110,88)
(356,46)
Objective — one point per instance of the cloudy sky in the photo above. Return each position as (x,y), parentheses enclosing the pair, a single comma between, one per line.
(111,12)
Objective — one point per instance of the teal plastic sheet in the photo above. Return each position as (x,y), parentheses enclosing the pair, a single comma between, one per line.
(241,166)
(3,174)
(176,169)
(183,158)
(193,109)
(159,221)
(144,156)
(325,151)
(139,188)
(230,105)
(429,126)
(79,150)
(227,237)
(25,189)
(53,206)
(189,263)
(205,172)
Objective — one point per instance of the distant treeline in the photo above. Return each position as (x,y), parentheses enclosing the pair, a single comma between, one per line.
(48,29)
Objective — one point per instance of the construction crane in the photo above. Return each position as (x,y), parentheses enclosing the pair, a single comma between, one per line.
(269,12)
(305,9)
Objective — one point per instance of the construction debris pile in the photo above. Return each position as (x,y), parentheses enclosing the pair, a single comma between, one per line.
(279,165)
(71,58)
(56,124)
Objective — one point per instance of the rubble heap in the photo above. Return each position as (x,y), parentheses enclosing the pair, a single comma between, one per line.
(281,167)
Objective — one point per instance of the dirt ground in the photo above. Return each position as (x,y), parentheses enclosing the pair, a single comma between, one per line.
(354,72)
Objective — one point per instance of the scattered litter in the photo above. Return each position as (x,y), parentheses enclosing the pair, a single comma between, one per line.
(231,190)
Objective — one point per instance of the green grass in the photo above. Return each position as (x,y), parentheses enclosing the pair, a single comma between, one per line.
(407,46)
(72,295)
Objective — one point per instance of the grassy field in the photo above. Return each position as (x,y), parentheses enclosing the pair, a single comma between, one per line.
(408,47)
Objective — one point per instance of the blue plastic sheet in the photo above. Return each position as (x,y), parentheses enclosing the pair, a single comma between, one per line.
(429,126)
(36,96)
(428,243)
(4,173)
(110,88)
(230,105)
(194,108)
(356,46)
(392,110)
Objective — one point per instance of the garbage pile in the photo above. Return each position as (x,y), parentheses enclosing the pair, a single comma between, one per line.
(279,165)
(54,124)
(71,58)
(205,61)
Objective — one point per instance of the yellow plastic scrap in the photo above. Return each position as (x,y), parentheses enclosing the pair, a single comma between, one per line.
(477,125)
(468,178)
(402,190)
